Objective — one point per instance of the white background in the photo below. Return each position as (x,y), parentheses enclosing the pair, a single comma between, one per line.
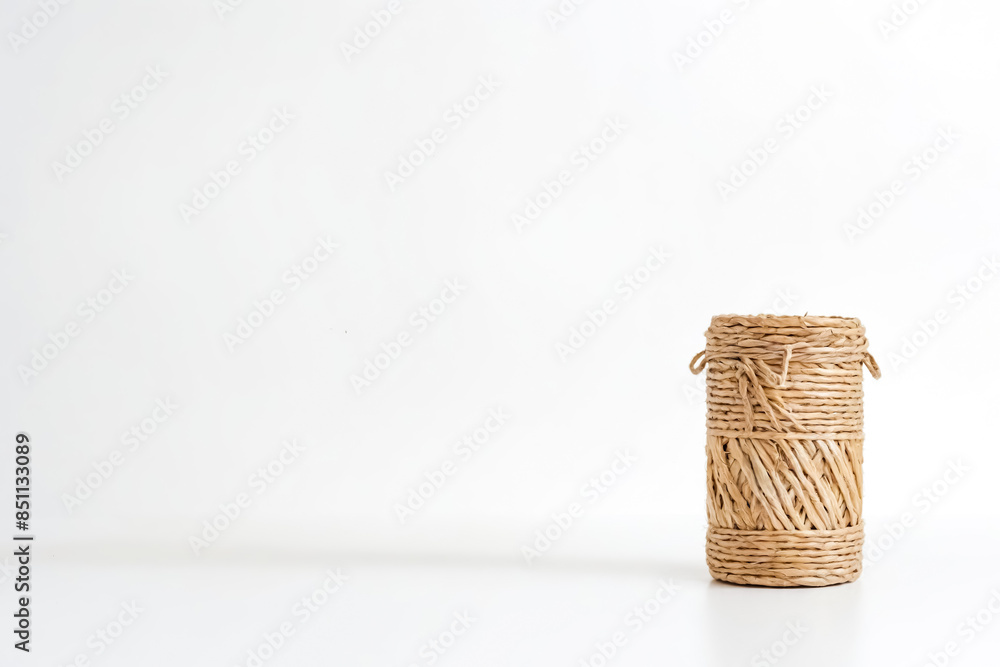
(780,242)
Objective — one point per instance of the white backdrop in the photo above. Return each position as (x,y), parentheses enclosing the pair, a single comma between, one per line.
(239,233)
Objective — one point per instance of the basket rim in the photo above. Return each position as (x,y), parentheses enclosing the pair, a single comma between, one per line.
(798,321)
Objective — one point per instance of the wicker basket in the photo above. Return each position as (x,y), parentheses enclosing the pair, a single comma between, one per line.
(784,448)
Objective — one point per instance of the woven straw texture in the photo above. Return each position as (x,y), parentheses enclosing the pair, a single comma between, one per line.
(784,448)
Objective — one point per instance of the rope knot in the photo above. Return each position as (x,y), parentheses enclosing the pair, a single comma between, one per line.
(754,379)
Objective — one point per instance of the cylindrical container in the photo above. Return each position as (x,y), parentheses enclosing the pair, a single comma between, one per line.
(784,448)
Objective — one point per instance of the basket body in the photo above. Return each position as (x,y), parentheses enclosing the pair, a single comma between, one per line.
(784,448)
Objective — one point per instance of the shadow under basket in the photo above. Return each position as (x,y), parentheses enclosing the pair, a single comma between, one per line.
(784,448)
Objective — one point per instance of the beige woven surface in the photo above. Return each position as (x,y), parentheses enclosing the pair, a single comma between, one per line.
(784,448)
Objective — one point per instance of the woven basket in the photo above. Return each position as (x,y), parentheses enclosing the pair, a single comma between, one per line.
(784,448)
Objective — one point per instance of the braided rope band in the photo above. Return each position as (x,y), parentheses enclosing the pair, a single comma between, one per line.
(785,558)
(784,448)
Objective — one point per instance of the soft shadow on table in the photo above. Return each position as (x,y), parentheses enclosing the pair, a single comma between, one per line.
(687,570)
(751,625)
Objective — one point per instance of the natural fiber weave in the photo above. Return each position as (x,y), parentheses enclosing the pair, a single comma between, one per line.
(784,448)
